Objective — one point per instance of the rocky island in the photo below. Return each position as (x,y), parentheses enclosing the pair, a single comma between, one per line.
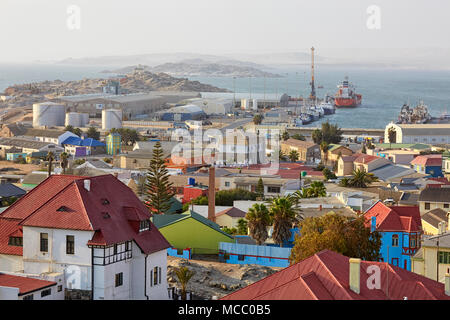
(138,80)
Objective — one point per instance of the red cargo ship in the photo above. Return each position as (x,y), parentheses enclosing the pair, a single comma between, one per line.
(346,97)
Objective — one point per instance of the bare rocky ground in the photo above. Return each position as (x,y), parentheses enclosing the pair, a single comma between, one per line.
(213,278)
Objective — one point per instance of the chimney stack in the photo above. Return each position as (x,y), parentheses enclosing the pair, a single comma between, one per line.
(447,284)
(87,184)
(354,274)
(212,194)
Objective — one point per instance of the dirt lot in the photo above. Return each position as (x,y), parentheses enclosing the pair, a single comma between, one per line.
(216,279)
(8,167)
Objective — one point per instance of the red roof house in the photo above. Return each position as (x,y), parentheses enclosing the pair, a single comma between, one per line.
(25,285)
(327,276)
(395,218)
(102,204)
(428,160)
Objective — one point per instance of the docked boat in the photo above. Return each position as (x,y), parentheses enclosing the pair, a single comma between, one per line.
(328,108)
(319,109)
(346,97)
(419,114)
(302,119)
(315,115)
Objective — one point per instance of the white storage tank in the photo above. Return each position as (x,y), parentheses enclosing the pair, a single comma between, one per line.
(73,119)
(111,118)
(84,120)
(255,104)
(48,114)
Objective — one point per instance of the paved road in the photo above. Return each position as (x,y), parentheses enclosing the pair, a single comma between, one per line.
(237,123)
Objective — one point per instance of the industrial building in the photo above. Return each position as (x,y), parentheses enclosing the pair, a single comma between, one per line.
(418,133)
(211,106)
(133,105)
(182,113)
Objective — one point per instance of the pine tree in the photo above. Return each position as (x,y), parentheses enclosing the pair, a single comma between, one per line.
(260,188)
(158,187)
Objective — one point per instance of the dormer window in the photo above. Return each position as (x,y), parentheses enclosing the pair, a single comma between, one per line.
(63,209)
(15,241)
(105,201)
(106,215)
(144,225)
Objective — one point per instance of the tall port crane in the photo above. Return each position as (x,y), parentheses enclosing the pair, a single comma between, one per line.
(312,96)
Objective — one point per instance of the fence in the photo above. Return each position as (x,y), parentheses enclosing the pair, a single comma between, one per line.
(269,256)
(175,294)
(180,253)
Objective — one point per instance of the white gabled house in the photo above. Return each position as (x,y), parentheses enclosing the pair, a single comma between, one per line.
(94,230)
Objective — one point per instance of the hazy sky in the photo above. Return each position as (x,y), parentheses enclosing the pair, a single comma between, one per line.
(37,29)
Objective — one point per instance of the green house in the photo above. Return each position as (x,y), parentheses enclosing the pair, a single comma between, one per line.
(191,230)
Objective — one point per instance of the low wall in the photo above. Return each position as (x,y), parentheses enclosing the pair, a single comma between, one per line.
(185,253)
(269,256)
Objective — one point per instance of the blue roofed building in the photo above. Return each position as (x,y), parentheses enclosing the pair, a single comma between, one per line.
(79,147)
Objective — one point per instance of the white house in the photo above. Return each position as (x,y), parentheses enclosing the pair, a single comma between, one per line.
(23,287)
(93,230)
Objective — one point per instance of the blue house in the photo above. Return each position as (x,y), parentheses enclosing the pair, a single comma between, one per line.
(428,164)
(401,230)
(81,147)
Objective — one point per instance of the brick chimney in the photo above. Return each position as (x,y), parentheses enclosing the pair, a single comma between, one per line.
(212,194)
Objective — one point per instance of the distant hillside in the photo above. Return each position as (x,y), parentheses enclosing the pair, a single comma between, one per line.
(200,68)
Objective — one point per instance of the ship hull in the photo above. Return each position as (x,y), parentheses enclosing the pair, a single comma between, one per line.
(328,111)
(347,102)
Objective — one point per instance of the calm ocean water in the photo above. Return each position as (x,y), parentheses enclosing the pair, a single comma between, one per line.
(384,91)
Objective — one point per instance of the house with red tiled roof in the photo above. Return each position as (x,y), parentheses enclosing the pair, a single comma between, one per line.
(94,230)
(331,276)
(428,164)
(368,162)
(362,161)
(401,231)
(14,287)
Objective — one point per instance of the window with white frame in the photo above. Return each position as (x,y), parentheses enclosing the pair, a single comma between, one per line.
(144,225)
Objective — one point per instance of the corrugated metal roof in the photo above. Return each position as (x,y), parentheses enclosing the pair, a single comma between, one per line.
(325,276)
(24,284)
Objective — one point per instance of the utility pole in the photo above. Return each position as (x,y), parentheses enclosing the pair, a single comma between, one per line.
(234,92)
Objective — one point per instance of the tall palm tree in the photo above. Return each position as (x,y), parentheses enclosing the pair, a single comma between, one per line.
(258,220)
(361,178)
(284,214)
(392,135)
(64,160)
(50,158)
(183,274)
(324,148)
(293,155)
